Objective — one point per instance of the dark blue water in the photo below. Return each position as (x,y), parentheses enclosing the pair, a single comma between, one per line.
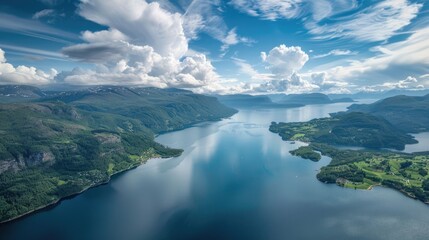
(235,180)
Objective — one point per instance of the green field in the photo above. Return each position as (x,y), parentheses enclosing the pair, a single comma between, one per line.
(407,173)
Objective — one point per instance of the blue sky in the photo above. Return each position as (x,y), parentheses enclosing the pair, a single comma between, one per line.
(233,46)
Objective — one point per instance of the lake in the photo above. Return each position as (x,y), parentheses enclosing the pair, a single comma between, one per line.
(235,180)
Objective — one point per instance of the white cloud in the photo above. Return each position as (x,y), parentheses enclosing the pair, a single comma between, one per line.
(335,52)
(283,61)
(34,28)
(34,52)
(407,83)
(326,84)
(295,84)
(206,16)
(23,74)
(193,24)
(376,22)
(44,13)
(143,23)
(405,57)
(144,45)
(248,70)
(122,63)
(270,9)
(104,36)
(232,38)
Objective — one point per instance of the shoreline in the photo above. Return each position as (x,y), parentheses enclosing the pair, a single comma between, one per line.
(59,200)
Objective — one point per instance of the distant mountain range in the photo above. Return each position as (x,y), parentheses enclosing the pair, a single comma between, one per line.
(277,100)
(253,101)
(381,95)
(311,98)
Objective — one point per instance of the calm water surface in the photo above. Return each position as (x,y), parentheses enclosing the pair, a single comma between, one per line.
(235,180)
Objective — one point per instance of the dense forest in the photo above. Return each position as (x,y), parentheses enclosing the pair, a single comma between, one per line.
(58,144)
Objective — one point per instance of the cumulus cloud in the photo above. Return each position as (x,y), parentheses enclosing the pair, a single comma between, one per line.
(122,63)
(23,74)
(410,83)
(295,84)
(144,24)
(143,45)
(283,61)
(325,84)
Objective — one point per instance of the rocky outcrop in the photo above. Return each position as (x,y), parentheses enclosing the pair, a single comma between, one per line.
(39,158)
(21,162)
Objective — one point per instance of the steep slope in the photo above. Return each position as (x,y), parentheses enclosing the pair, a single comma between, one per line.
(158,109)
(69,141)
(52,150)
(411,114)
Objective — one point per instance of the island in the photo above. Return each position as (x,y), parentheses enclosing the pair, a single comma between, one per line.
(375,163)
(54,145)
(346,129)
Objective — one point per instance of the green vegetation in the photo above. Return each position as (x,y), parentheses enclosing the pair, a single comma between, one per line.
(362,169)
(306,153)
(55,148)
(160,110)
(410,114)
(349,129)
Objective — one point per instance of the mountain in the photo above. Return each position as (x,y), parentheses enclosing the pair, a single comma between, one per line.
(65,142)
(250,101)
(311,98)
(158,109)
(349,129)
(381,94)
(408,113)
(15,93)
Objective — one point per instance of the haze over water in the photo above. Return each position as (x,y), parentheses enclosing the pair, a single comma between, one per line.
(235,180)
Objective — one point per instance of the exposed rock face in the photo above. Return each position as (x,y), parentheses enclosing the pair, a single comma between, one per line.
(9,164)
(39,158)
(108,138)
(22,162)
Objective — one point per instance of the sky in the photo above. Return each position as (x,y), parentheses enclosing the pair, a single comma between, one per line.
(230,46)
